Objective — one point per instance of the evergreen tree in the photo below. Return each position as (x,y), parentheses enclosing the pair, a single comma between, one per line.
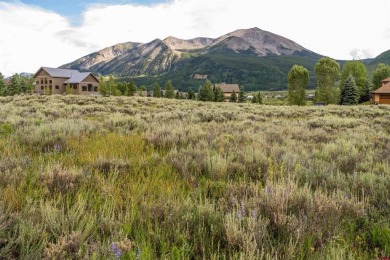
(298,77)
(2,85)
(103,89)
(358,70)
(131,88)
(233,97)
(122,87)
(241,95)
(14,86)
(381,72)
(23,85)
(366,94)
(259,98)
(191,94)
(205,92)
(219,96)
(328,73)
(349,92)
(169,91)
(254,99)
(156,90)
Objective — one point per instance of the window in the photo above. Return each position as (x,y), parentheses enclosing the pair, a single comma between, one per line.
(50,87)
(45,80)
(89,87)
(75,87)
(95,89)
(57,87)
(41,81)
(84,88)
(37,82)
(50,81)
(42,88)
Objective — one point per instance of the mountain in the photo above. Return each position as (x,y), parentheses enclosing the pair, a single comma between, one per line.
(252,57)
(384,57)
(100,57)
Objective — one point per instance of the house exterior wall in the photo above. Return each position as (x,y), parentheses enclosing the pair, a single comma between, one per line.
(89,86)
(384,98)
(381,99)
(45,84)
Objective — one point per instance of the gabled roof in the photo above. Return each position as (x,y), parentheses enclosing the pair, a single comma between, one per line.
(78,77)
(58,73)
(227,88)
(385,89)
(385,80)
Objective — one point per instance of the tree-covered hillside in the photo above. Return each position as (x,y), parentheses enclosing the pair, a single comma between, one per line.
(255,73)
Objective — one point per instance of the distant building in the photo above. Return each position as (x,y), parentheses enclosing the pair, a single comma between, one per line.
(200,76)
(55,81)
(228,89)
(382,94)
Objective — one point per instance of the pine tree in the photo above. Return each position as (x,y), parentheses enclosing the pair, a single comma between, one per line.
(241,95)
(14,86)
(205,92)
(169,91)
(2,85)
(131,88)
(366,94)
(191,94)
(233,97)
(219,96)
(349,93)
(156,90)
(259,98)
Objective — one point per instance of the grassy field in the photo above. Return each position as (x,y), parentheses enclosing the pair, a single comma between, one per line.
(146,178)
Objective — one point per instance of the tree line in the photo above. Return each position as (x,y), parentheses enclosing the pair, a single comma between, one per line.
(350,86)
(17,85)
(206,92)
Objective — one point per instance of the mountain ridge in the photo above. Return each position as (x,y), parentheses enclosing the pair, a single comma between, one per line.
(257,59)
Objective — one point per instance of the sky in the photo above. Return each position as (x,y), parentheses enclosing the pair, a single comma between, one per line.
(35,33)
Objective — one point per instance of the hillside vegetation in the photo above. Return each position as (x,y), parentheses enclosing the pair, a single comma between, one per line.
(147,178)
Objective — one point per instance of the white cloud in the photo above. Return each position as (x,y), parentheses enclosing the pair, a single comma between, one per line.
(35,37)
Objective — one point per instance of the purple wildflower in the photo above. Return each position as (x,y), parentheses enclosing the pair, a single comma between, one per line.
(118,253)
(113,246)
(254,214)
(239,214)
(234,201)
(269,189)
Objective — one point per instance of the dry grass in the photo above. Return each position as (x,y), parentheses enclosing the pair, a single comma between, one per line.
(133,177)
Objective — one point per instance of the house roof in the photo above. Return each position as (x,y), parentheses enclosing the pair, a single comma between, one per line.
(77,77)
(386,80)
(385,89)
(58,73)
(227,88)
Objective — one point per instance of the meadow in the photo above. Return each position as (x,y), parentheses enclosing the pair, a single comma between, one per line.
(148,178)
